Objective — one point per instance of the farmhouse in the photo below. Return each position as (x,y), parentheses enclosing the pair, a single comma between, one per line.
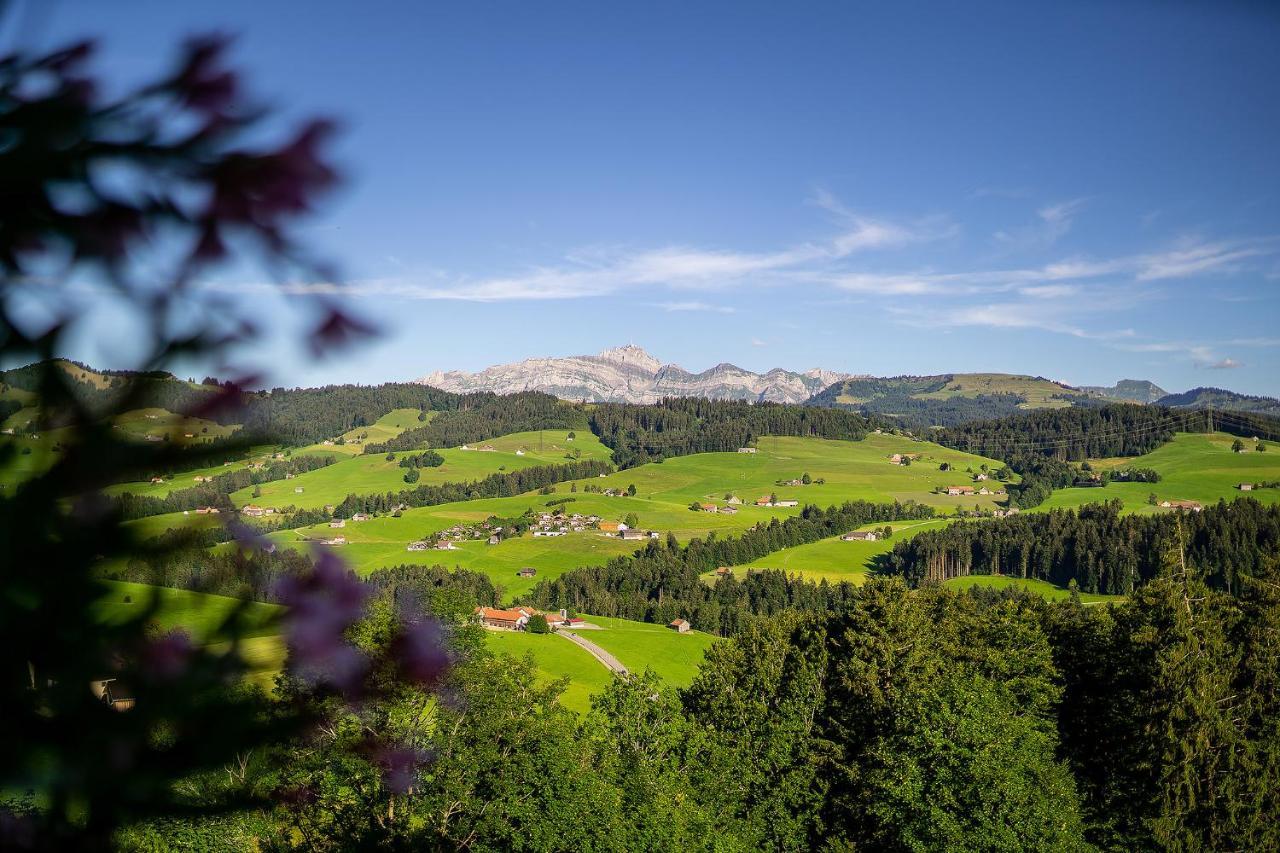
(709,507)
(611,526)
(959,490)
(297,490)
(1005,513)
(1245,487)
(746,450)
(338,522)
(634,533)
(1186,506)
(520,452)
(984,491)
(494,540)
(548,533)
(734,500)
(157,480)
(360,516)
(724,572)
(861,536)
(420,545)
(510,620)
(787,503)
(527,572)
(206,510)
(445,545)
(336,540)
(680,626)
(764,501)
(201,479)
(254,511)
(728,510)
(978,478)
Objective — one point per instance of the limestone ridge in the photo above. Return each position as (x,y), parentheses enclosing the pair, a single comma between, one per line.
(629,374)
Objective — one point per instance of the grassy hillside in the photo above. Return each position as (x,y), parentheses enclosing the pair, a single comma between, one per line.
(948,399)
(200,614)
(853,470)
(1041,588)
(386,427)
(151,424)
(556,658)
(1198,467)
(374,474)
(640,645)
(835,560)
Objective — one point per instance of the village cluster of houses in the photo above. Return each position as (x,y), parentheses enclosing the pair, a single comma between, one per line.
(729,509)
(1184,506)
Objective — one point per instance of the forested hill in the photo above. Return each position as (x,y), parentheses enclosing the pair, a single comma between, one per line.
(948,399)
(1098,549)
(679,426)
(1220,398)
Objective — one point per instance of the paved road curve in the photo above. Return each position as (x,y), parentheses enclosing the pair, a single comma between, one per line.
(598,653)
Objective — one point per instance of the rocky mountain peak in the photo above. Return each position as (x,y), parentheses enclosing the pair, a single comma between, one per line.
(632,356)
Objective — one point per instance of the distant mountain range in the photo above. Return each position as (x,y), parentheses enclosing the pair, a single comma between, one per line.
(630,375)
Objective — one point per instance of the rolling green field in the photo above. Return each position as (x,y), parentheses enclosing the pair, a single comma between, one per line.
(835,560)
(1194,466)
(200,614)
(640,645)
(1039,587)
(557,657)
(383,429)
(186,479)
(853,470)
(144,423)
(373,474)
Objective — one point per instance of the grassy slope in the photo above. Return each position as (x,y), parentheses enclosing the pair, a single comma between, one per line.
(638,645)
(835,560)
(853,470)
(1193,467)
(386,427)
(185,480)
(373,474)
(1041,588)
(557,657)
(140,423)
(200,614)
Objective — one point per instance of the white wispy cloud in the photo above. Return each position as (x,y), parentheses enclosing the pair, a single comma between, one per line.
(1224,364)
(694,306)
(1054,223)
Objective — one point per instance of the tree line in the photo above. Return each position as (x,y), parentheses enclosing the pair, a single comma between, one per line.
(662,582)
(675,427)
(499,485)
(217,491)
(481,416)
(1098,549)
(912,720)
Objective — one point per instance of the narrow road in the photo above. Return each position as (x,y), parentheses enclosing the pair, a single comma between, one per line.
(596,652)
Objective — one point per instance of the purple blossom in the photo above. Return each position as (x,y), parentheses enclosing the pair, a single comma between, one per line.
(419,650)
(322,606)
(166,658)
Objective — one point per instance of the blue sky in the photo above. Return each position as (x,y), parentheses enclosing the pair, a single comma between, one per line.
(1086,191)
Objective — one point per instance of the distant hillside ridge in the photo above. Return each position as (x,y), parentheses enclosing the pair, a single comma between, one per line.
(1220,398)
(629,374)
(950,398)
(1128,391)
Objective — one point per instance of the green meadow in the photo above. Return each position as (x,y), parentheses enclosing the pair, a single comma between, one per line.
(1194,466)
(556,658)
(374,474)
(640,645)
(383,429)
(160,423)
(187,479)
(200,614)
(853,470)
(835,560)
(1039,587)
